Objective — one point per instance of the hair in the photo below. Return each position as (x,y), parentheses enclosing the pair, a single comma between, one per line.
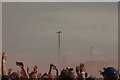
(67,75)
(14,75)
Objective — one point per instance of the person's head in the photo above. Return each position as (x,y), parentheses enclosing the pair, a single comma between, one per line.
(35,68)
(46,76)
(5,77)
(14,76)
(33,75)
(67,74)
(110,73)
(86,75)
(9,71)
(69,68)
(82,67)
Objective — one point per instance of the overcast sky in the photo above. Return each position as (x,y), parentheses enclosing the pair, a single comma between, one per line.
(60,0)
(29,32)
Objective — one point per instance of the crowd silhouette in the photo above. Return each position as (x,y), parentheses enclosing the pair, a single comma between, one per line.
(108,73)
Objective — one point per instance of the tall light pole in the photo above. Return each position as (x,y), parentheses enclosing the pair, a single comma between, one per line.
(105,57)
(59,47)
(91,53)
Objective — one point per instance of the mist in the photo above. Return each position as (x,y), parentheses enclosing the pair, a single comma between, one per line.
(29,34)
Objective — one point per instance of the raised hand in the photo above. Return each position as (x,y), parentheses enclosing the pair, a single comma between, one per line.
(4,56)
(20,64)
(54,67)
(35,68)
(51,65)
(3,65)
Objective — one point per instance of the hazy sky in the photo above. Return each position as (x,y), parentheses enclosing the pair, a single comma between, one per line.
(29,32)
(1,27)
(60,0)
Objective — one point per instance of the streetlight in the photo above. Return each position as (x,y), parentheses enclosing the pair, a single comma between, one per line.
(59,33)
(91,53)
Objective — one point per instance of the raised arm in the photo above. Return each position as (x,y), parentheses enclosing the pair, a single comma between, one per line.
(28,70)
(77,71)
(52,66)
(22,66)
(3,64)
(50,69)
(9,71)
(57,74)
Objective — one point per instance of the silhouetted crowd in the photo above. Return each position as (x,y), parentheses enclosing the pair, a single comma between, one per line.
(108,73)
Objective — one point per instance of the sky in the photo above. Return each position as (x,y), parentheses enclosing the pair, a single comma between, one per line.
(60,0)
(0,27)
(29,33)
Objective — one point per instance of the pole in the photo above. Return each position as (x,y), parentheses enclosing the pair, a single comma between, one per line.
(91,53)
(59,46)
(105,57)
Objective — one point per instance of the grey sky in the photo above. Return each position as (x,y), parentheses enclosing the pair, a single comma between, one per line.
(60,0)
(29,32)
(1,26)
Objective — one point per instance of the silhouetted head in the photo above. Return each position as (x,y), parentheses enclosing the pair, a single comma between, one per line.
(110,73)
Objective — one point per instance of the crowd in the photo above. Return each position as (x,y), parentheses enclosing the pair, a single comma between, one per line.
(108,73)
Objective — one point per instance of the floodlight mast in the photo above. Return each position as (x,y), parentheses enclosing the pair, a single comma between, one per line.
(59,45)
(91,53)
